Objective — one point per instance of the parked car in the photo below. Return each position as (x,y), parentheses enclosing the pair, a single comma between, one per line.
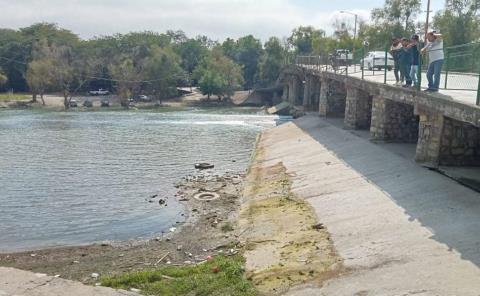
(341,57)
(99,92)
(73,104)
(376,60)
(105,103)
(144,98)
(87,103)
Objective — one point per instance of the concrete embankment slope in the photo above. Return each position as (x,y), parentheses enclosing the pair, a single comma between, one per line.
(24,283)
(401,229)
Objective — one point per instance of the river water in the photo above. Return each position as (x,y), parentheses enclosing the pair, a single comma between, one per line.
(69,178)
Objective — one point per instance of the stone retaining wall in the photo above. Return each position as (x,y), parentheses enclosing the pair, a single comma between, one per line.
(393,122)
(336,99)
(358,109)
(460,143)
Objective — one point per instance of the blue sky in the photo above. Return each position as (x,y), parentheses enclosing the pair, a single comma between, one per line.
(217,19)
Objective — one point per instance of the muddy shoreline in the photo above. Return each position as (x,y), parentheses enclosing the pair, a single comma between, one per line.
(209,229)
(256,215)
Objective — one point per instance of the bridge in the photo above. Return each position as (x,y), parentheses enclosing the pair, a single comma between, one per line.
(445,126)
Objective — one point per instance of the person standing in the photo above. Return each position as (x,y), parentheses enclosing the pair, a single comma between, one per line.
(414,44)
(434,48)
(406,61)
(396,52)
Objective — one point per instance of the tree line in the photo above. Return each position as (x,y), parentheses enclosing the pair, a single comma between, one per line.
(44,57)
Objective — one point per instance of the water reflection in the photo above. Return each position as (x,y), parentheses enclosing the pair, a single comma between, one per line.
(78,177)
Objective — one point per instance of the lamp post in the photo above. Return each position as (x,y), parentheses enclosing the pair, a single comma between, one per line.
(356,19)
(354,37)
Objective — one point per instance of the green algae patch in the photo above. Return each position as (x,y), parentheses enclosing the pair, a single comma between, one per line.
(14,97)
(223,275)
(284,245)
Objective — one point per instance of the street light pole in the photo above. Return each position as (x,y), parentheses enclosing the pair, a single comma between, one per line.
(356,20)
(355,30)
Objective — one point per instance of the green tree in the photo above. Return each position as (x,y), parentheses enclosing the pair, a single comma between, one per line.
(302,37)
(218,75)
(400,13)
(458,22)
(40,77)
(191,53)
(163,70)
(60,60)
(127,78)
(272,61)
(15,54)
(249,52)
(3,77)
(229,48)
(17,49)
(395,18)
(177,37)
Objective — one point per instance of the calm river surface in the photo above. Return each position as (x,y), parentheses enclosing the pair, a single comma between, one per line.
(70,178)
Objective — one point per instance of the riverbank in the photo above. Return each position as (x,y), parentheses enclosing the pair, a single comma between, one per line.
(207,231)
(193,98)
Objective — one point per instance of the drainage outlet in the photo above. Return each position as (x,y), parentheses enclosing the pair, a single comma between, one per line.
(206,196)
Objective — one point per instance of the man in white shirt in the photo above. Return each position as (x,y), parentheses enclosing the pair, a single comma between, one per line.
(434,48)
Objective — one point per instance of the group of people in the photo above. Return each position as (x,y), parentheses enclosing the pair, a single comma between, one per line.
(406,56)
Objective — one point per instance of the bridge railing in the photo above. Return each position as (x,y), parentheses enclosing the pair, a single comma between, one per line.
(461,69)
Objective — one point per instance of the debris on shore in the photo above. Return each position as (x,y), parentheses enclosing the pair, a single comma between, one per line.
(209,230)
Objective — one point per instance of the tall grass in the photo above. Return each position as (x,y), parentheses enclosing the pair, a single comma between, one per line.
(220,276)
(13,97)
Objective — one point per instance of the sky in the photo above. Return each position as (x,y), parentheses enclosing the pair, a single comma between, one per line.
(217,19)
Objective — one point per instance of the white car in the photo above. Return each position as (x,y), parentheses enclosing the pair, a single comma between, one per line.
(143,98)
(99,92)
(343,57)
(376,60)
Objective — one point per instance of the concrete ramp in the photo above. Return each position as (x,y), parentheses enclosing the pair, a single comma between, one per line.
(400,228)
(247,98)
(281,109)
(15,282)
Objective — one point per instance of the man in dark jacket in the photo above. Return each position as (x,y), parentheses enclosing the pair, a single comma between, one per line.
(396,52)
(414,45)
(406,61)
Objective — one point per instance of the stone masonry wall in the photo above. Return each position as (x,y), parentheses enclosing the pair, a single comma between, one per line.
(429,136)
(394,122)
(314,98)
(358,109)
(402,124)
(336,98)
(460,144)
(323,98)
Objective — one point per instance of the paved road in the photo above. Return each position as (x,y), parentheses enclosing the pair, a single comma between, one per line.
(14,282)
(460,87)
(401,229)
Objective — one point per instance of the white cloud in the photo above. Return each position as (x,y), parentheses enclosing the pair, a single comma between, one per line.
(217,19)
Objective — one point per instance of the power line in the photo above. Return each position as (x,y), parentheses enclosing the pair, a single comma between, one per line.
(132,81)
(101,78)
(13,60)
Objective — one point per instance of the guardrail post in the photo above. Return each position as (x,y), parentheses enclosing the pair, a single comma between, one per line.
(478,90)
(447,66)
(385,70)
(419,72)
(362,65)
